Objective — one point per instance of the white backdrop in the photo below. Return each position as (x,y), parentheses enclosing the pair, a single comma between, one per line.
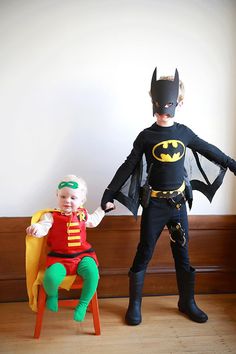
(74,82)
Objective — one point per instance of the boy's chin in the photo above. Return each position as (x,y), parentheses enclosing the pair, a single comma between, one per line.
(164,116)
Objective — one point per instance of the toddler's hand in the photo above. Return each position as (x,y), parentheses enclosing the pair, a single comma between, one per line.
(32,230)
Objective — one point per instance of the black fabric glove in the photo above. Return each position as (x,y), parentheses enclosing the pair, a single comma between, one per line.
(108,196)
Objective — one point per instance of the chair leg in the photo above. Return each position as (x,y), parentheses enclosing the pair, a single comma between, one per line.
(41,307)
(95,311)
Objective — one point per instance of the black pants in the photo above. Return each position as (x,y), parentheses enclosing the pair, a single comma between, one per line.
(154,219)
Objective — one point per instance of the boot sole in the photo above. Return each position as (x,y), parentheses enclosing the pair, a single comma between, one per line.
(133,323)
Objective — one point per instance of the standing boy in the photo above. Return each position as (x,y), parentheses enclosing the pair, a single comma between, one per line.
(164,146)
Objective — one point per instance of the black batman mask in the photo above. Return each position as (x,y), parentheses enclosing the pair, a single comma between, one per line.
(164,94)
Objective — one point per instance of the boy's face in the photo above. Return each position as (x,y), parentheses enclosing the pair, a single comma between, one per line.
(164,95)
(69,200)
(164,98)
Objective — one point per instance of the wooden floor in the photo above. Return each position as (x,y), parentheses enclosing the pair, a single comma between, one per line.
(163,330)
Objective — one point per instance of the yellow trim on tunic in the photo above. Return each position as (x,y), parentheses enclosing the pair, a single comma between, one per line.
(72,244)
(73,231)
(69,238)
(72,224)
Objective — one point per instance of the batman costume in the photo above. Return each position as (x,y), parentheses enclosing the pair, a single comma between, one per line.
(165,148)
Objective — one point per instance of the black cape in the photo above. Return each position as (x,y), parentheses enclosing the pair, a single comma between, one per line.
(201,174)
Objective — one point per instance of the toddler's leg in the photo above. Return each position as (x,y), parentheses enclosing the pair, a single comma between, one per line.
(53,277)
(88,270)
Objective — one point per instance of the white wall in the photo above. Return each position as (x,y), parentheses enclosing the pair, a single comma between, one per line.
(74,82)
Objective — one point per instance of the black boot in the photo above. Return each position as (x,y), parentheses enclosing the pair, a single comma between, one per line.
(133,315)
(187,304)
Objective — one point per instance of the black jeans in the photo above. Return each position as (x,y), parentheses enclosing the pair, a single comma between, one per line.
(154,219)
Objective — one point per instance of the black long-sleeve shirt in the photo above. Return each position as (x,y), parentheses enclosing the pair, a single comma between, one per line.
(165,147)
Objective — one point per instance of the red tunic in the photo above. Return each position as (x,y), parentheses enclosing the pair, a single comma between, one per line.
(68,236)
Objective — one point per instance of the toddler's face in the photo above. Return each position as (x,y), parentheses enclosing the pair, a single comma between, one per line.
(69,200)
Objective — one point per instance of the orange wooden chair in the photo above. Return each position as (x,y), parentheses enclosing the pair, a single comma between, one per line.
(93,307)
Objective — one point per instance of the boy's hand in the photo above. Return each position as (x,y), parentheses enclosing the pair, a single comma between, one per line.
(109,207)
(107,197)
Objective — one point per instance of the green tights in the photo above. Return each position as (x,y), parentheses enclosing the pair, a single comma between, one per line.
(54,276)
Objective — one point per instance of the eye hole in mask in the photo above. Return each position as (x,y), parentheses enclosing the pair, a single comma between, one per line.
(167,105)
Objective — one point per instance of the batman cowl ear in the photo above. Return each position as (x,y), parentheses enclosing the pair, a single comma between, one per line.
(176,79)
(154,78)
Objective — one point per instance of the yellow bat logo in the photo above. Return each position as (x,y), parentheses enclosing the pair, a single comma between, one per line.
(169,151)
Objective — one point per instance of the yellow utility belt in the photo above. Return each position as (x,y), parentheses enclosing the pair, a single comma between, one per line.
(168,194)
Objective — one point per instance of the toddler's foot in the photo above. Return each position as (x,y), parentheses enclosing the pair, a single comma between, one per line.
(80,312)
(52,303)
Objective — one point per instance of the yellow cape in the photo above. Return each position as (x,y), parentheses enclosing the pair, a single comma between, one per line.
(35,257)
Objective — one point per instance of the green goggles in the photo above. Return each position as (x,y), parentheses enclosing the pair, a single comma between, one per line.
(69,184)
